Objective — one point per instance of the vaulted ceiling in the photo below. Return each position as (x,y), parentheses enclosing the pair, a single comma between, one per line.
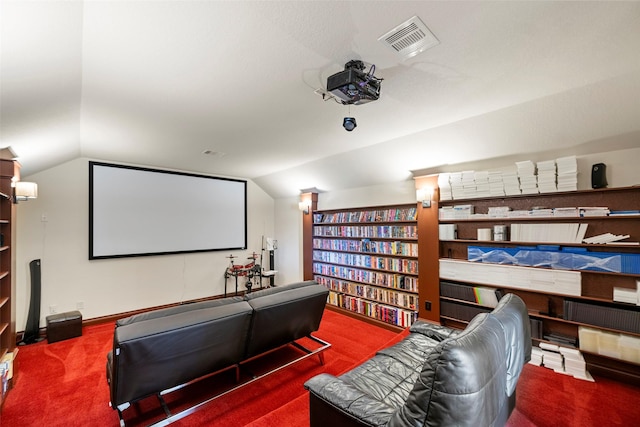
(158,83)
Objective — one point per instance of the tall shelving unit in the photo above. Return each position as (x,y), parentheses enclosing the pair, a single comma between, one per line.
(548,307)
(8,169)
(368,258)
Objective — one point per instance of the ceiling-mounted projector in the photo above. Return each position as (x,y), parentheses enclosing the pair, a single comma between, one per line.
(354,85)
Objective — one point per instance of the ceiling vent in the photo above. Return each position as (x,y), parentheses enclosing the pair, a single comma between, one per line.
(410,38)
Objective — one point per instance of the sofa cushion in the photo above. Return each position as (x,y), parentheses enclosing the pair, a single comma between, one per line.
(462,381)
(269,291)
(169,311)
(284,315)
(160,353)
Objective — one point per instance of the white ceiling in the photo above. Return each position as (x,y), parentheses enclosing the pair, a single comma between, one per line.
(158,82)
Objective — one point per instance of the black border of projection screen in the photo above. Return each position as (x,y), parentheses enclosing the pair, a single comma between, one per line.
(136,211)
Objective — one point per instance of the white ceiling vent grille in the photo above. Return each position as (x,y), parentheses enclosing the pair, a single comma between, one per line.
(410,38)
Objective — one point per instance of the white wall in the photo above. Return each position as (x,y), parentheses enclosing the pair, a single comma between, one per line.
(114,286)
(110,286)
(288,227)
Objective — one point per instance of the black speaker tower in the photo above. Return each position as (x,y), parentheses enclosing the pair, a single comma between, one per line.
(32,330)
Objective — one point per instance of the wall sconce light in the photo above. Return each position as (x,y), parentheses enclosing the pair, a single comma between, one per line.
(23,191)
(304,206)
(425,195)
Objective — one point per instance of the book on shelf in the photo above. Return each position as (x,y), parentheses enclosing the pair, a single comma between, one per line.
(628,212)
(617,318)
(586,211)
(549,233)
(606,238)
(447,231)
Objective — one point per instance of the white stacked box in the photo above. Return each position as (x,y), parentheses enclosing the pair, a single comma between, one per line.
(445,186)
(496,185)
(547,176)
(527,177)
(482,184)
(567,173)
(469,184)
(510,181)
(457,189)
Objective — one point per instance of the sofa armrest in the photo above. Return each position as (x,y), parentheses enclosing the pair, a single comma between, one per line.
(431,330)
(349,400)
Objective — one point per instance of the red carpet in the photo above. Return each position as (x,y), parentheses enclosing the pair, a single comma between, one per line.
(548,399)
(64,384)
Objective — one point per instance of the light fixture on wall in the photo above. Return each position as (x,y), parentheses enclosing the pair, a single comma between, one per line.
(425,195)
(23,191)
(305,206)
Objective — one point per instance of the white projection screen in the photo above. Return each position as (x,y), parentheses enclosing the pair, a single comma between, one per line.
(136,211)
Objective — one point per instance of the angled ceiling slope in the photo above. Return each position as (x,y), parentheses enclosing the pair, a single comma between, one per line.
(161,82)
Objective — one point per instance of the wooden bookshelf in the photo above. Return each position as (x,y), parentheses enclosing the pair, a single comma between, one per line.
(595,287)
(368,258)
(8,169)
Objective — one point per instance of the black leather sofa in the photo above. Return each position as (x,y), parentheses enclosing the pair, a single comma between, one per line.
(161,349)
(436,376)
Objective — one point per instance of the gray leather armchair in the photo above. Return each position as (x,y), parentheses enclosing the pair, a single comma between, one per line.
(436,376)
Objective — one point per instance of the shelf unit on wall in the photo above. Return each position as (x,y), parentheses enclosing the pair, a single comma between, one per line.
(8,169)
(368,258)
(551,301)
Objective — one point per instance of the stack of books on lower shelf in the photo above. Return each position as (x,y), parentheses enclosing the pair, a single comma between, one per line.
(630,296)
(563,360)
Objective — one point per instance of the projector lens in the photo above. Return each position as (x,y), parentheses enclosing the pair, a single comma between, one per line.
(349,123)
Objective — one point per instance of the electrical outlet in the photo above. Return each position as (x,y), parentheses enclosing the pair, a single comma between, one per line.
(427,305)
(80,305)
(53,309)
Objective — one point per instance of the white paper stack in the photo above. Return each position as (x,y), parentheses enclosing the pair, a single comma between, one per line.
(527,177)
(574,363)
(457,190)
(541,213)
(547,176)
(567,173)
(510,181)
(469,184)
(606,238)
(496,186)
(562,282)
(551,357)
(455,212)
(498,211)
(482,184)
(448,231)
(549,233)
(518,213)
(627,295)
(444,186)
(566,212)
(536,356)
(593,211)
